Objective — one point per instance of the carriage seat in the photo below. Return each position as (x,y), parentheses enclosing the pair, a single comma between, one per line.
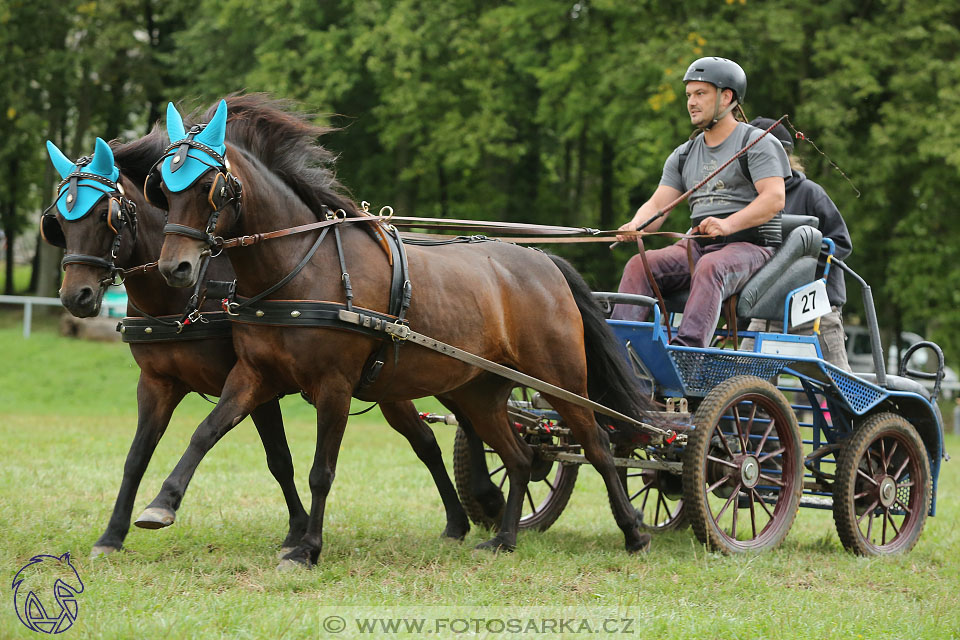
(793,265)
(898,383)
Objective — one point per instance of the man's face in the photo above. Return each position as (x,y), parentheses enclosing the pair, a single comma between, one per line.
(701,102)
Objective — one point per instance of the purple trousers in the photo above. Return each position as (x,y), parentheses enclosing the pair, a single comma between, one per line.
(720,271)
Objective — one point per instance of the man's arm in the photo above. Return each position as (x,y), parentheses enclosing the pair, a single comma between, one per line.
(663,196)
(770,199)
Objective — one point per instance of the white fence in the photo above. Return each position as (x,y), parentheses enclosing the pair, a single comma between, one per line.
(29,301)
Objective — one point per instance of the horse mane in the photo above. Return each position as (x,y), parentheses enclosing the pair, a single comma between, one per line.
(285,141)
(136,158)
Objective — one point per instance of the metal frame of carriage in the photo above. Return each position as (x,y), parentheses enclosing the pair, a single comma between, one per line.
(867,447)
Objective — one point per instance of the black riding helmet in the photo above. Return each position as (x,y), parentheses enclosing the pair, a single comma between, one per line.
(723,74)
(779,131)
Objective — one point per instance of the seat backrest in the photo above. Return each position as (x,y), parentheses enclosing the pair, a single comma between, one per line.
(790,221)
(792,266)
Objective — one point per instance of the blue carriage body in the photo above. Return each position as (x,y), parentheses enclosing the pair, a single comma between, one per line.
(834,398)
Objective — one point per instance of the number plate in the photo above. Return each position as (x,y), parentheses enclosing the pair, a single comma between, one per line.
(809,303)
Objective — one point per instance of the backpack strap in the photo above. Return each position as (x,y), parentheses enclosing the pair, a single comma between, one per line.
(743,159)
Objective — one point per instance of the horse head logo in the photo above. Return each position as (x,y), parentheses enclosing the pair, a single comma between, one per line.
(191,157)
(33,579)
(85,182)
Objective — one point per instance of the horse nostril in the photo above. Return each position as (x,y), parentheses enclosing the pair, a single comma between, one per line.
(85,296)
(183,268)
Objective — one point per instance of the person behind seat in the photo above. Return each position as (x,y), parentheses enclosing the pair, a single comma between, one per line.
(739,213)
(806,197)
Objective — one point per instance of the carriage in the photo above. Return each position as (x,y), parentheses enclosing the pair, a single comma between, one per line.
(763,431)
(723,450)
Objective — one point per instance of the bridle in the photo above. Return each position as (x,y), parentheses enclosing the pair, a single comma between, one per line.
(225,190)
(121,212)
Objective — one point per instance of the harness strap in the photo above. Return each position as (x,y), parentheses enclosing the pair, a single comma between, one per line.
(287,278)
(403,333)
(213,324)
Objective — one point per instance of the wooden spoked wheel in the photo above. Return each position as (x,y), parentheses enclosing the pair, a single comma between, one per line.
(551,483)
(883,487)
(742,467)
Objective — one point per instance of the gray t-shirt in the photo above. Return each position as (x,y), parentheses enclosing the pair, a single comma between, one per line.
(730,190)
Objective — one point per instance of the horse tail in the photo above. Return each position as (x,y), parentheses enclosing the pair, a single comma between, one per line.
(610,381)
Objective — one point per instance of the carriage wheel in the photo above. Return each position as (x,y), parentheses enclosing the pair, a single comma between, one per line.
(549,490)
(742,467)
(658,495)
(883,487)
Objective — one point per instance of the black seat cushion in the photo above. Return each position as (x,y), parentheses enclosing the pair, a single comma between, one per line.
(898,383)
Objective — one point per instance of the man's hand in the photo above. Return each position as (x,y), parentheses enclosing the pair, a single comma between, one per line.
(629,226)
(713,227)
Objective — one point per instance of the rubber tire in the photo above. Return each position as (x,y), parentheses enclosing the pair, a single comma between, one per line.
(696,502)
(553,506)
(845,487)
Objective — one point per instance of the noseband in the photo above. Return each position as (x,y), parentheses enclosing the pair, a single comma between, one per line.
(225,190)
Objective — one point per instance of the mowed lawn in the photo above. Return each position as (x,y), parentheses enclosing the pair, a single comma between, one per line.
(67,416)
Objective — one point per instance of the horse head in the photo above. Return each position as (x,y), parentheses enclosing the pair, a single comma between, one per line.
(193,181)
(94,221)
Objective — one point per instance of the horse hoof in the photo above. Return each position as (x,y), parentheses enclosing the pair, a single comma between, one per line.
(642,545)
(455,534)
(495,546)
(288,566)
(155,518)
(284,551)
(100,551)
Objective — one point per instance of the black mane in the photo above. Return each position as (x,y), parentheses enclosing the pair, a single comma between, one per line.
(285,141)
(136,158)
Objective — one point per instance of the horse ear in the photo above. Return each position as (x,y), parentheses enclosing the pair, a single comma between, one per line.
(63,166)
(215,131)
(102,163)
(174,124)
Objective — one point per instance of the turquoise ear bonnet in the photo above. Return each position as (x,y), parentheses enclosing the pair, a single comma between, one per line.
(85,182)
(181,168)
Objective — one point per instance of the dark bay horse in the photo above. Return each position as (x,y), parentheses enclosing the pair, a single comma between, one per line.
(170,369)
(512,305)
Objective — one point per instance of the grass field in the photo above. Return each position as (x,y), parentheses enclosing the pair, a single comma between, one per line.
(67,415)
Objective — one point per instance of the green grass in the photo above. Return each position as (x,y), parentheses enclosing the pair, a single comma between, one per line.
(68,415)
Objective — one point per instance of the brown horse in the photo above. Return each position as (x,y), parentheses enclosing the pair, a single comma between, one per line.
(512,305)
(172,368)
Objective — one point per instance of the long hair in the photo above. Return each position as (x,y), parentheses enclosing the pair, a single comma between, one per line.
(285,141)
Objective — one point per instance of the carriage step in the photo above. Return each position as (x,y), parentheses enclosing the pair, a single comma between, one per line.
(817,502)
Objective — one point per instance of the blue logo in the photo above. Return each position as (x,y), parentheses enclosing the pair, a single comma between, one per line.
(35,578)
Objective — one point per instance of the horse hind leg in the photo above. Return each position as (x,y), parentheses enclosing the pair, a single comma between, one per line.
(485,408)
(269,422)
(596,448)
(405,419)
(482,490)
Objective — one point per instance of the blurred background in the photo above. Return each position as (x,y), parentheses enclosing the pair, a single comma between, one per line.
(535,110)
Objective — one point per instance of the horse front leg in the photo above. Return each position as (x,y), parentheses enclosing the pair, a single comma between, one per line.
(242,393)
(405,419)
(332,411)
(269,422)
(156,400)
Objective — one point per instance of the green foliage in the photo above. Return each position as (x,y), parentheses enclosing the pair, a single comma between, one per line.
(530,110)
